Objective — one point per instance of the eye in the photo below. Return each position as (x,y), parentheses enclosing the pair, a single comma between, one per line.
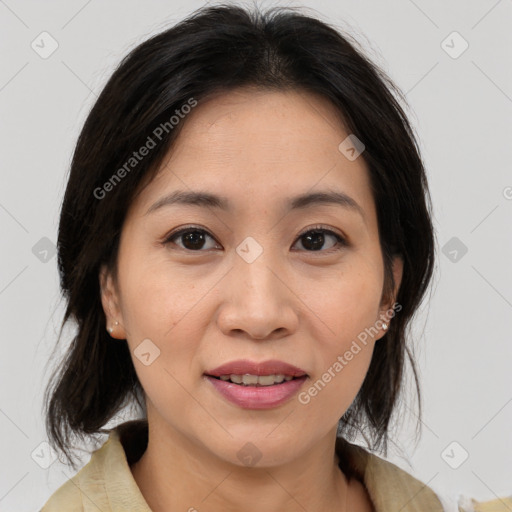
(192,238)
(315,238)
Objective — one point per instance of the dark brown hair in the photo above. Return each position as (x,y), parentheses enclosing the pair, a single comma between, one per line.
(214,50)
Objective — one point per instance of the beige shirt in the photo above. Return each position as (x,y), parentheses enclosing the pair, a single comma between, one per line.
(106,483)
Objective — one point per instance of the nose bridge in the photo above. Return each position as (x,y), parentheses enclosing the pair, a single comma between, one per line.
(256,265)
(258,302)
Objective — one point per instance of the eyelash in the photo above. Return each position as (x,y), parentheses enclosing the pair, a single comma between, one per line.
(341,242)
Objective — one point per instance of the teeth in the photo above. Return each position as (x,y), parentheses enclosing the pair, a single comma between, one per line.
(266,380)
(253,380)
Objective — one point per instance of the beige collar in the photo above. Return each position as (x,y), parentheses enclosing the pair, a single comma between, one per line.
(391,489)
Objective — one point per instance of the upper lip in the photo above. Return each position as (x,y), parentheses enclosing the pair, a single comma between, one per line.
(243,366)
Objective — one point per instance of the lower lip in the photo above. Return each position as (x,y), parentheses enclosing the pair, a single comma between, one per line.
(257,397)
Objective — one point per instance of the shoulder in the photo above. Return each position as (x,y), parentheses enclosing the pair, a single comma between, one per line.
(392,488)
(105,483)
(66,498)
(389,487)
(86,486)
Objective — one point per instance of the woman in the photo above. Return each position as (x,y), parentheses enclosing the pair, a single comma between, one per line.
(244,239)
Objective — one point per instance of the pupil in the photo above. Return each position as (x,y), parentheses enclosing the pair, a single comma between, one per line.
(318,240)
(195,239)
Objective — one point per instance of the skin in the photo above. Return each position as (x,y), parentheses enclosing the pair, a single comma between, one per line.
(206,307)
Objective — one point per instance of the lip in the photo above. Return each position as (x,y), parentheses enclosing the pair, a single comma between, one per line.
(257,397)
(245,366)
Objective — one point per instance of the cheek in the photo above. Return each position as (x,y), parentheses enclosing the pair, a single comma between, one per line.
(345,363)
(162,304)
(350,310)
(156,296)
(351,305)
(160,309)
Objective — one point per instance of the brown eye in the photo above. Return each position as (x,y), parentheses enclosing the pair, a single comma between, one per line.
(191,239)
(315,240)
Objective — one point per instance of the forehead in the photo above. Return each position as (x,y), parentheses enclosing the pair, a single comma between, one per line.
(247,121)
(261,146)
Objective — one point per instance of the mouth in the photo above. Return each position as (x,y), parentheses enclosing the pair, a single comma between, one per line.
(257,385)
(245,372)
(257,380)
(249,391)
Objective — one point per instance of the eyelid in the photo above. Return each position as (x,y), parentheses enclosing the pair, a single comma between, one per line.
(342,241)
(340,237)
(321,227)
(184,229)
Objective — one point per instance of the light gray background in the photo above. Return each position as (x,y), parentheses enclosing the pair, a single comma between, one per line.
(461,108)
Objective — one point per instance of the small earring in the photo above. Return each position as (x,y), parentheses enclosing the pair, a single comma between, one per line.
(111,329)
(384,325)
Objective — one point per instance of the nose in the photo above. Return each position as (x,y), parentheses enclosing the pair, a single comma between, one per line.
(257,301)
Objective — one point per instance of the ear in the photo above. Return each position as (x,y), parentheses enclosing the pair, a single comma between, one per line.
(387,302)
(110,302)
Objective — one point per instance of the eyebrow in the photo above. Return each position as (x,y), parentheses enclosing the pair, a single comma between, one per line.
(300,202)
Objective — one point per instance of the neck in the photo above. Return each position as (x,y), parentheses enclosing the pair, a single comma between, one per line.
(176,474)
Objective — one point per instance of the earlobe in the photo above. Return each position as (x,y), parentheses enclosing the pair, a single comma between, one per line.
(110,303)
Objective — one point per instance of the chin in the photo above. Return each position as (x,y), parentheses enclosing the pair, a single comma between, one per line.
(257,451)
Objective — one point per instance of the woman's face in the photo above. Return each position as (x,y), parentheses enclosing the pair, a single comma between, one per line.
(260,278)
